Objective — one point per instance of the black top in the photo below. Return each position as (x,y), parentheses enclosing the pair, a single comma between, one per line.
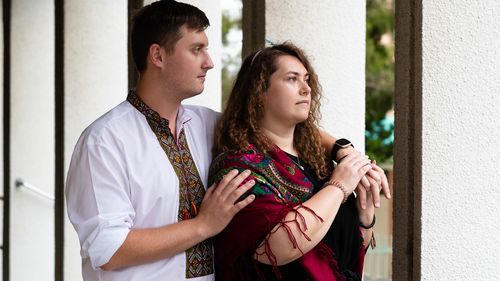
(343,237)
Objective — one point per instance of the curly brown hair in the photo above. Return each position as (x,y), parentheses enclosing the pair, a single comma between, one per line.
(239,125)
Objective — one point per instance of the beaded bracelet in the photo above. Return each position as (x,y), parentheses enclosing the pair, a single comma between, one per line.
(340,186)
(368,226)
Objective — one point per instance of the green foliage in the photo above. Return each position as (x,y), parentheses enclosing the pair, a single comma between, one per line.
(379,137)
(229,23)
(227,83)
(228,62)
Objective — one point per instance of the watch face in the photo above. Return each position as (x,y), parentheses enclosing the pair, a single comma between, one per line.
(343,142)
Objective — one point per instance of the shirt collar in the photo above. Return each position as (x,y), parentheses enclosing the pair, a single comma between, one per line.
(152,116)
(183,116)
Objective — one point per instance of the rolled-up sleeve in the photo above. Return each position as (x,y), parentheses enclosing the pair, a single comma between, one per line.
(98,200)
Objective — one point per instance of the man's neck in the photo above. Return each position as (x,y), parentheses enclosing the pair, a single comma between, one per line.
(158,99)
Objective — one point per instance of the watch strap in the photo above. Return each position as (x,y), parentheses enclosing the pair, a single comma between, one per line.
(339,144)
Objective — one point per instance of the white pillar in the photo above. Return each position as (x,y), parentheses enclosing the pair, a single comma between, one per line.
(95,66)
(32,139)
(460,140)
(333,35)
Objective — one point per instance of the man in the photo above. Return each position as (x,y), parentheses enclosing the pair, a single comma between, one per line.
(136,184)
(138,174)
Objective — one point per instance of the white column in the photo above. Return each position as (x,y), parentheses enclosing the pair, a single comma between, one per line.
(460,140)
(32,139)
(95,68)
(333,35)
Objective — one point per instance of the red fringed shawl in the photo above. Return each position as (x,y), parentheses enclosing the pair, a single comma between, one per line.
(280,187)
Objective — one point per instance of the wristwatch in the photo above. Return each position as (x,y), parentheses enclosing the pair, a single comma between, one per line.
(339,144)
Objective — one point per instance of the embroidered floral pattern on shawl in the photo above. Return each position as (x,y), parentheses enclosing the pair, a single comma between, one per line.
(280,188)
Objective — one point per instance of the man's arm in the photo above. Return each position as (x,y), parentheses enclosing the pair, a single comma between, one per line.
(327,141)
(100,208)
(217,209)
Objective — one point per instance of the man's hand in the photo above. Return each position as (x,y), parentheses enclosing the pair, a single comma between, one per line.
(377,183)
(351,170)
(220,202)
(217,209)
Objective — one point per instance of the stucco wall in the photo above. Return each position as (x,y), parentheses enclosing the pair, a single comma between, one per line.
(333,35)
(460,140)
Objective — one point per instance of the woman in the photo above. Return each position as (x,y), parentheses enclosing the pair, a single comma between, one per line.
(304,223)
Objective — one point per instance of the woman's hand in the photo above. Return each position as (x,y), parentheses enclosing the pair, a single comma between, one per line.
(350,171)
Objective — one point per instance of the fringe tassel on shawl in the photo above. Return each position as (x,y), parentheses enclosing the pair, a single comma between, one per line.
(301,223)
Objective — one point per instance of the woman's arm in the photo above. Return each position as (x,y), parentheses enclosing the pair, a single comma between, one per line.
(302,229)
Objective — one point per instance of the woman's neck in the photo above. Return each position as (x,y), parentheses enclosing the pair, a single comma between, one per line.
(281,136)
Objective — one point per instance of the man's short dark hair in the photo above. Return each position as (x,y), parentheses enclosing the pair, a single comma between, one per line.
(160,23)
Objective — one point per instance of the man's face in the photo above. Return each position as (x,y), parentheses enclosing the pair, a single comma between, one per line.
(186,67)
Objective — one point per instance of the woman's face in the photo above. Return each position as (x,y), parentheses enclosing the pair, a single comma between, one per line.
(288,99)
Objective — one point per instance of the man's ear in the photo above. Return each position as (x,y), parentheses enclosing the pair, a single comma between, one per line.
(155,55)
